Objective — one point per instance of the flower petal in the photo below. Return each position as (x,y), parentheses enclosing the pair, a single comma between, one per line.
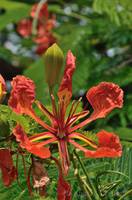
(2,87)
(65,89)
(24,27)
(21,137)
(104,98)
(22,94)
(9,172)
(109,146)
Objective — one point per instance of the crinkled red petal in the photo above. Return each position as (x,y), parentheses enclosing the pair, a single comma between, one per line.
(104,98)
(22,94)
(66,82)
(65,89)
(9,172)
(21,137)
(109,146)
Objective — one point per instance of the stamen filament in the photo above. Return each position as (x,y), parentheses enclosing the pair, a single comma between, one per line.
(83,138)
(45,111)
(76,106)
(39,136)
(54,105)
(77,117)
(32,114)
(40,144)
(73,109)
(82,124)
(72,106)
(77,145)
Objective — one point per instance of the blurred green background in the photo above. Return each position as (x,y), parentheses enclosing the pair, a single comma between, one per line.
(99,33)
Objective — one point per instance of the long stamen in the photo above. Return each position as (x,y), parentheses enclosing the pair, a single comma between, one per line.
(40,144)
(45,111)
(40,136)
(74,108)
(82,124)
(77,145)
(77,117)
(83,138)
(59,119)
(61,111)
(32,114)
(54,105)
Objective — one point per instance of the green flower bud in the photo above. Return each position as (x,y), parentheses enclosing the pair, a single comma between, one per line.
(53,64)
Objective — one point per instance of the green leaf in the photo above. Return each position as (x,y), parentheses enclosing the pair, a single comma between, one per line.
(14,11)
(8,119)
(37,74)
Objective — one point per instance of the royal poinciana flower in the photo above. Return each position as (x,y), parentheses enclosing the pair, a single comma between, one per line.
(45,23)
(62,128)
(2,88)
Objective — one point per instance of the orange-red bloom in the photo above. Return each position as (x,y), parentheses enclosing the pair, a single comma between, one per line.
(9,172)
(62,128)
(44,37)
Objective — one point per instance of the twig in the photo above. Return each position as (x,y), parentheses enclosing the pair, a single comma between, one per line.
(35,20)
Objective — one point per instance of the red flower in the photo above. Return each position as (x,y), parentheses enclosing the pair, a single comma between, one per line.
(2,87)
(103,98)
(9,172)
(44,37)
(24,27)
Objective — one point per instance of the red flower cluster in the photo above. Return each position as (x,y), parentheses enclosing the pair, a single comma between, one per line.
(44,37)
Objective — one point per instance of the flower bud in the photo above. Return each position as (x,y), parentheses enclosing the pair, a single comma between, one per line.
(2,88)
(53,64)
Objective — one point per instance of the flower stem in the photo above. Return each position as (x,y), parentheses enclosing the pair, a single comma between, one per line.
(126,194)
(87,177)
(35,20)
(83,185)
